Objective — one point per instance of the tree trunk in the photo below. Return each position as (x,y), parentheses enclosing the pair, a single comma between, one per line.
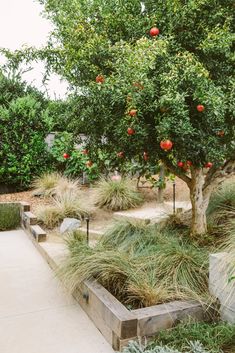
(199,201)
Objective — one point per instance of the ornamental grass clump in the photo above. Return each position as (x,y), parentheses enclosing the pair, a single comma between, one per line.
(141,265)
(45,184)
(222,204)
(116,195)
(64,205)
(223,198)
(9,216)
(52,184)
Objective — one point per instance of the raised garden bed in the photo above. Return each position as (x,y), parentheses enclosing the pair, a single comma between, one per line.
(220,270)
(117,324)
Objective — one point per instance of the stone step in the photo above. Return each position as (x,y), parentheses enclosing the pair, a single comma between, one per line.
(38,233)
(155,214)
(30,218)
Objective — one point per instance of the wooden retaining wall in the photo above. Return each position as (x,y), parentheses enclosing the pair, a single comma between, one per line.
(117,324)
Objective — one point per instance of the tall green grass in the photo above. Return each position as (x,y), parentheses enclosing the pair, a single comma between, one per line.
(9,216)
(216,337)
(190,338)
(141,265)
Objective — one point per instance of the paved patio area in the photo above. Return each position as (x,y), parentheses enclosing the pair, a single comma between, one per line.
(36,313)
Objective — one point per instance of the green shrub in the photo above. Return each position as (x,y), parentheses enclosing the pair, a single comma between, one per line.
(216,337)
(192,347)
(75,165)
(9,216)
(117,195)
(23,152)
(185,338)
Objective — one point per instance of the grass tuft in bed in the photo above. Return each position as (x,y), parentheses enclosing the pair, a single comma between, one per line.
(117,195)
(46,183)
(65,205)
(141,265)
(54,184)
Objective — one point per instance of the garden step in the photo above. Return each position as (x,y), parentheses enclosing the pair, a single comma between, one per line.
(30,218)
(38,233)
(152,214)
(148,215)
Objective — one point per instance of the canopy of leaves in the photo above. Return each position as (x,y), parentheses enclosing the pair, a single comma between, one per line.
(23,128)
(191,62)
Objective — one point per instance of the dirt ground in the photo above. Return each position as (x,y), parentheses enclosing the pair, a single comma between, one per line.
(87,195)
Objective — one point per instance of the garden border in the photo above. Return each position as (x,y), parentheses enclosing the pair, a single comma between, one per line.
(117,324)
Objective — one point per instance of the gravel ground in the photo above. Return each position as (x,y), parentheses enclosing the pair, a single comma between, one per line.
(27,197)
(182,194)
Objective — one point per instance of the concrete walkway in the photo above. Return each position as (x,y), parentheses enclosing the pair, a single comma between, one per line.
(36,313)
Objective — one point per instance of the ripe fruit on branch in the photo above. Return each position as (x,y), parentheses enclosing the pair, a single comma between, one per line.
(200,108)
(85,152)
(120,154)
(132,112)
(189,163)
(180,164)
(220,133)
(166,145)
(99,79)
(66,155)
(138,85)
(208,165)
(146,157)
(130,131)
(89,164)
(154,31)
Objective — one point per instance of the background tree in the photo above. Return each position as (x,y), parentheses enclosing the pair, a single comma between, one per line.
(179,85)
(23,128)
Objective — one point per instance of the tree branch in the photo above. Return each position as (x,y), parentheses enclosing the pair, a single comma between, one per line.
(216,176)
(175,171)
